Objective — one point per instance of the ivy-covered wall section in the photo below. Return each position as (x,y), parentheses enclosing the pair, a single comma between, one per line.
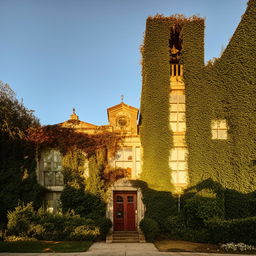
(155,133)
(222,89)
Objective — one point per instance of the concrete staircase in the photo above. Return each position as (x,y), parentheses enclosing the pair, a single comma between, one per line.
(125,237)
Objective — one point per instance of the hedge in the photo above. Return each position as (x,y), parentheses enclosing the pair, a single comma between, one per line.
(24,221)
(235,230)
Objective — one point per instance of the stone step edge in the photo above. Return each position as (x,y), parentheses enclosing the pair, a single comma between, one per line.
(110,238)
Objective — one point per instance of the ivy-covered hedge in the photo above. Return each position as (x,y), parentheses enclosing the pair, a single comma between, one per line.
(235,230)
(159,204)
(150,229)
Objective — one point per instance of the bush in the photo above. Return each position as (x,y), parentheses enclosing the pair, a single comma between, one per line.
(104,224)
(159,204)
(25,222)
(83,203)
(19,239)
(19,220)
(238,205)
(236,230)
(84,233)
(150,229)
(175,226)
(198,209)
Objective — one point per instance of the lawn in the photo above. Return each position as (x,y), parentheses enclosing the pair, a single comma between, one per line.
(45,246)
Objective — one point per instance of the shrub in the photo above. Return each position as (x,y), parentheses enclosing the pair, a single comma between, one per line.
(238,205)
(104,224)
(236,230)
(84,233)
(19,239)
(198,209)
(175,226)
(83,203)
(19,220)
(150,229)
(25,222)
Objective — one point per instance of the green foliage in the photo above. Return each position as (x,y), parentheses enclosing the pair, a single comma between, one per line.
(104,224)
(84,233)
(83,203)
(235,230)
(25,222)
(222,90)
(175,227)
(198,209)
(159,204)
(95,181)
(19,220)
(17,162)
(154,131)
(149,228)
(73,163)
(239,205)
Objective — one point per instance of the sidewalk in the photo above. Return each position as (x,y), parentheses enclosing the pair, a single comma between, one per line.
(121,249)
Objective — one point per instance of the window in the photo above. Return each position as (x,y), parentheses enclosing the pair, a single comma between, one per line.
(137,163)
(179,177)
(219,129)
(177,98)
(52,168)
(124,158)
(177,117)
(178,159)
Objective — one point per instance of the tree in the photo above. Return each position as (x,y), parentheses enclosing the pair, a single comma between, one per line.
(18,181)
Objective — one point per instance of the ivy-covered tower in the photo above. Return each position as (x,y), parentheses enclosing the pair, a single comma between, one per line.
(198,121)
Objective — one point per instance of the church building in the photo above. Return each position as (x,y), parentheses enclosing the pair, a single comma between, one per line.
(195,121)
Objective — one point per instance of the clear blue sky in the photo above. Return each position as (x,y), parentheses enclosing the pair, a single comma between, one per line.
(60,54)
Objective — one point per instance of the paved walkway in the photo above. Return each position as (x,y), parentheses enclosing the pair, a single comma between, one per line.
(120,249)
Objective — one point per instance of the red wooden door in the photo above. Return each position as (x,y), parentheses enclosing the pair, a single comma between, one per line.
(124,211)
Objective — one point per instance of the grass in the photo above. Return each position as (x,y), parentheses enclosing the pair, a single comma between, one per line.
(45,246)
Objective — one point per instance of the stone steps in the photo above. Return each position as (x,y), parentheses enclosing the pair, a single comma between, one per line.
(125,237)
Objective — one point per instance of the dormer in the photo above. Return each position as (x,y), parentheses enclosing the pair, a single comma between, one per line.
(123,118)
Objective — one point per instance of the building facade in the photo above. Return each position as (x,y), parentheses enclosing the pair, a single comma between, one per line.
(196,121)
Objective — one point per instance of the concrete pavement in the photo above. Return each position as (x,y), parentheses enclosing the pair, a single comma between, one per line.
(120,249)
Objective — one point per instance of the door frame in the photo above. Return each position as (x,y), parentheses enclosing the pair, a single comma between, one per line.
(125,210)
(125,185)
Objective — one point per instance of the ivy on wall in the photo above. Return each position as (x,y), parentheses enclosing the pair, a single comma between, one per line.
(156,136)
(223,89)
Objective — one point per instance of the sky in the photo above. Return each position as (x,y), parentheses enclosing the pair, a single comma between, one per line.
(84,54)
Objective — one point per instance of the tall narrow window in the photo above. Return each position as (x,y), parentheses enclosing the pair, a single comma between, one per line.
(52,168)
(219,129)
(124,159)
